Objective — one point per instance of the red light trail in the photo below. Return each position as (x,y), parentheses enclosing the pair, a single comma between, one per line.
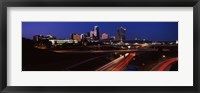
(118,64)
(166,64)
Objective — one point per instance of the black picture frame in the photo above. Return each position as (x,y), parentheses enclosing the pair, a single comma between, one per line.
(100,3)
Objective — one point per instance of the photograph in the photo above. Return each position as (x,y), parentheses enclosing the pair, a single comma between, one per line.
(99,46)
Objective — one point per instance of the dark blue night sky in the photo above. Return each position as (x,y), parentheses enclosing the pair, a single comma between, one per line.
(154,31)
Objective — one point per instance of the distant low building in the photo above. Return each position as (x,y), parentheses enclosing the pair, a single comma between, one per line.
(176,41)
(156,43)
(136,38)
(60,42)
(50,37)
(76,37)
(37,37)
(41,37)
(112,37)
(42,42)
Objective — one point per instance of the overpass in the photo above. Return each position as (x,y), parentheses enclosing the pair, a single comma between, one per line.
(104,51)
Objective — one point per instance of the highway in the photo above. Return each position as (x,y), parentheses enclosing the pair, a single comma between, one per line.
(164,66)
(100,63)
(118,64)
(86,61)
(102,51)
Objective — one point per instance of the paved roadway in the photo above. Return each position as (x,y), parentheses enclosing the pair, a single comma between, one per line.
(86,61)
(102,51)
(163,66)
(118,64)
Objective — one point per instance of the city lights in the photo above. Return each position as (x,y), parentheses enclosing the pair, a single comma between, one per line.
(100,48)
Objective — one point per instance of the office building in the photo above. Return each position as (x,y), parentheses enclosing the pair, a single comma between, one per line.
(104,36)
(41,37)
(76,37)
(121,35)
(91,34)
(94,34)
(61,42)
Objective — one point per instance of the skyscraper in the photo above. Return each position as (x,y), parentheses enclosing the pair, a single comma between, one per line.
(96,32)
(121,35)
(82,37)
(91,34)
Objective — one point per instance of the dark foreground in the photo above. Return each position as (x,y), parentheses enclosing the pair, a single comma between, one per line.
(34,59)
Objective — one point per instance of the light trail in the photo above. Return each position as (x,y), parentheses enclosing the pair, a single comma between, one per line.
(85,61)
(112,64)
(124,62)
(118,64)
(167,64)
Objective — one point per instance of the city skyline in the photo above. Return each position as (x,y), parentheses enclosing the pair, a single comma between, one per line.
(154,31)
(90,46)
